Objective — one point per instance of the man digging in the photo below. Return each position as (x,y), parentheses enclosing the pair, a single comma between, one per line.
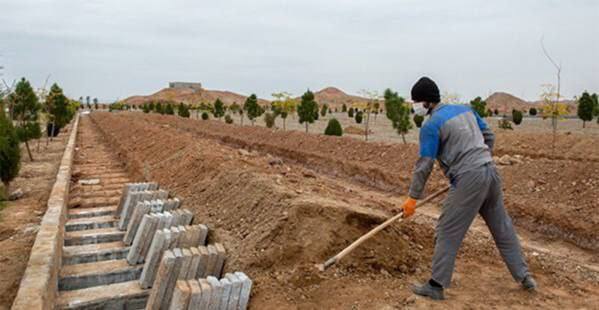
(462,142)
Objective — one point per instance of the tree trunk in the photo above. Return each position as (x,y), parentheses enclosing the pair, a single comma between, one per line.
(28,150)
(306,127)
(367,121)
(241,119)
(6,192)
(403,137)
(284,121)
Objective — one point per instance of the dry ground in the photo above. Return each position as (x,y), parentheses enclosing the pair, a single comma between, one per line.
(19,220)
(284,201)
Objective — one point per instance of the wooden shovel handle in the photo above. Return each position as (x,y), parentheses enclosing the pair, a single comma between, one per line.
(331,261)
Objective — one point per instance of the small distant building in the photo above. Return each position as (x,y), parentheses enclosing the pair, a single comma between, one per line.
(195,86)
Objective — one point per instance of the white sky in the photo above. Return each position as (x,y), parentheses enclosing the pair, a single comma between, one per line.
(113,49)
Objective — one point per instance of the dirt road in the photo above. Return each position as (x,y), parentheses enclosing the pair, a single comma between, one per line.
(283,209)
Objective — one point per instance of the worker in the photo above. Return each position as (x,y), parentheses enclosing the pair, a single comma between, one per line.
(462,143)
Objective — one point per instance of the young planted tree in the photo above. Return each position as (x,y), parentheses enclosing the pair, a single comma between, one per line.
(479,106)
(183,110)
(26,108)
(350,113)
(10,153)
(398,113)
(252,108)
(359,117)
(96,103)
(367,107)
(159,108)
(269,119)
(205,116)
(333,128)
(57,106)
(344,108)
(323,110)
(517,117)
(169,110)
(553,109)
(307,110)
(284,105)
(532,111)
(87,99)
(219,108)
(586,107)
(228,119)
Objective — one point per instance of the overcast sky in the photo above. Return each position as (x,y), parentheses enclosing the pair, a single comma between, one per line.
(114,49)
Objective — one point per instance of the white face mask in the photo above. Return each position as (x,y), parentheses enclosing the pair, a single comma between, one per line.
(419,109)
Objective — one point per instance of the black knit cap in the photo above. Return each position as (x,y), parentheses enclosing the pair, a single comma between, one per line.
(425,90)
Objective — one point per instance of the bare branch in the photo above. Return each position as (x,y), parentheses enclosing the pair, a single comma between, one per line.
(553,62)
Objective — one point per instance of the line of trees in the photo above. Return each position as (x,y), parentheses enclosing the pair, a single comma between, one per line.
(21,111)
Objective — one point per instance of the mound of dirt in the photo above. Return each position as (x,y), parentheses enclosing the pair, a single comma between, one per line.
(354,130)
(278,218)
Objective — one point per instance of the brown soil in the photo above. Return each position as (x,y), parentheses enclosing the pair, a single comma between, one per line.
(20,219)
(280,214)
(388,167)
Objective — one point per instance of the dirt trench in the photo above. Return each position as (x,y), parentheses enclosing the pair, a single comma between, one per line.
(279,218)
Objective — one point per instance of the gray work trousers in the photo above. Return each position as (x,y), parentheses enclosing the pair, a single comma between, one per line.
(474,192)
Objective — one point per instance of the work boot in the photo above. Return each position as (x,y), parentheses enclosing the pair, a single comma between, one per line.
(529,283)
(427,290)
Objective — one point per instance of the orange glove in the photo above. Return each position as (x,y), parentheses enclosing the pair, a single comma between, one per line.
(409,207)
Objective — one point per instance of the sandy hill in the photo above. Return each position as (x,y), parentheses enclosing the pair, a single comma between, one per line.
(335,98)
(190,96)
(505,102)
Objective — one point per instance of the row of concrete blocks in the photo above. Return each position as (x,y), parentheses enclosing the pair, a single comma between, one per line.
(146,207)
(171,238)
(184,264)
(131,197)
(232,292)
(128,189)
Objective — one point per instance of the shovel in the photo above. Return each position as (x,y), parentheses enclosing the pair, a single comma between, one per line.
(333,260)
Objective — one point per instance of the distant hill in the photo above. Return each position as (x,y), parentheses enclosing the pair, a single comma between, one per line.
(190,96)
(504,103)
(335,98)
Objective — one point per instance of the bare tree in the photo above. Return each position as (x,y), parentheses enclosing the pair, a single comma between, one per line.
(554,116)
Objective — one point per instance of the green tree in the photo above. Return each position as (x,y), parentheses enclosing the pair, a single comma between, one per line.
(25,108)
(418,119)
(205,116)
(323,110)
(358,118)
(146,108)
(159,108)
(586,107)
(596,105)
(10,153)
(228,119)
(333,128)
(517,117)
(350,113)
(496,112)
(252,108)
(183,110)
(307,110)
(151,106)
(219,108)
(269,119)
(344,108)
(169,110)
(532,111)
(284,105)
(398,113)
(480,106)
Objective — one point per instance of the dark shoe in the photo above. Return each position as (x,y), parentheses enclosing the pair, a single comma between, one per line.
(529,283)
(427,290)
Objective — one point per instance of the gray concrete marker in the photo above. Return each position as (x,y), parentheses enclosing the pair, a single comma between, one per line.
(235,291)
(181,296)
(226,293)
(158,291)
(246,287)
(206,293)
(217,290)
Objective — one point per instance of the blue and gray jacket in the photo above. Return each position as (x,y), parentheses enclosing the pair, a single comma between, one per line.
(458,138)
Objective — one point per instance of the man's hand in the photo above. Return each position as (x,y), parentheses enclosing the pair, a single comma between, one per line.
(409,207)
